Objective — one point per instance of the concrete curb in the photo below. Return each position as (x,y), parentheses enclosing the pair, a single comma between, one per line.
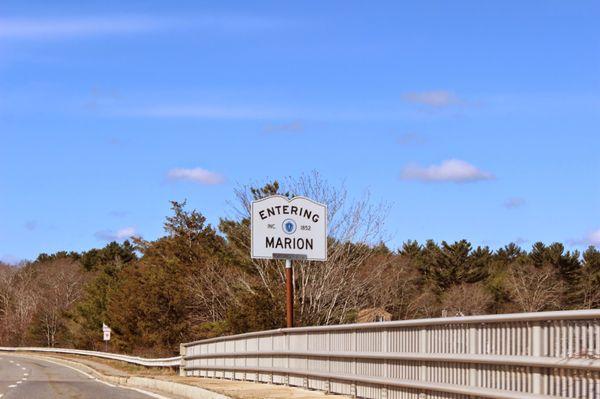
(174,388)
(162,386)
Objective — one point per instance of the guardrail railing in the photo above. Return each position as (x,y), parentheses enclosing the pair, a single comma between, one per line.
(527,355)
(161,362)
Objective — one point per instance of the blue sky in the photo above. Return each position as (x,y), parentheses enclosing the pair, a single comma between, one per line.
(476,120)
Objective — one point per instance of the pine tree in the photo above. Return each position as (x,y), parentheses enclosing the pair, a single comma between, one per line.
(455,264)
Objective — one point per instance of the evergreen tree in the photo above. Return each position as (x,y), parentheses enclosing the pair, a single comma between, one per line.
(453,264)
(107,264)
(156,292)
(509,253)
(588,285)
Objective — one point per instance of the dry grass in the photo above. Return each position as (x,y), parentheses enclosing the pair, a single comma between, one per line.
(124,367)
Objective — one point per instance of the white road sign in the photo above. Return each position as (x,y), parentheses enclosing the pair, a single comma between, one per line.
(106,332)
(289,228)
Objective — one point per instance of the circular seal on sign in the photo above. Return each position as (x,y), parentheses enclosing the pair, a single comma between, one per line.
(289,226)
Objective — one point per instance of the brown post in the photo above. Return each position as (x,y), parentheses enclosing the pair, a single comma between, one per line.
(289,293)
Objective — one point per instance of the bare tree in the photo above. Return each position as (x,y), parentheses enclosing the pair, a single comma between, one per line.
(467,299)
(19,299)
(6,311)
(211,291)
(533,289)
(589,288)
(395,286)
(425,304)
(61,283)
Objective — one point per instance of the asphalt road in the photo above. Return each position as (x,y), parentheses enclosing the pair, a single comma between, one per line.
(26,378)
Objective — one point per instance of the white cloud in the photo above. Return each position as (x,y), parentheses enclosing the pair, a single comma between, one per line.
(514,202)
(203,111)
(10,260)
(86,26)
(53,28)
(592,238)
(197,175)
(119,235)
(291,127)
(31,225)
(436,99)
(411,138)
(118,214)
(274,114)
(452,170)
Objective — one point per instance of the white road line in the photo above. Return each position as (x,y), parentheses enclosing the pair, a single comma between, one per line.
(26,374)
(151,394)
(12,386)
(23,368)
(19,382)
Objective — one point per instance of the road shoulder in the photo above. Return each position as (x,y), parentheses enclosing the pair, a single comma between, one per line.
(183,387)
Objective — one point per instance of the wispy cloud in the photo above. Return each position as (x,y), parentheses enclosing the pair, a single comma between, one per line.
(202,111)
(99,97)
(261,112)
(10,260)
(452,170)
(514,202)
(591,238)
(411,138)
(31,225)
(89,26)
(594,238)
(119,235)
(118,214)
(291,127)
(77,27)
(434,99)
(197,175)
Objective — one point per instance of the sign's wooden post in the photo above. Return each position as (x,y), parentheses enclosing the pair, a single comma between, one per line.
(289,293)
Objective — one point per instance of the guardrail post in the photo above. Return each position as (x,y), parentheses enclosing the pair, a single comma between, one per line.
(272,360)
(355,349)
(328,348)
(182,350)
(286,379)
(384,349)
(473,336)
(245,376)
(423,349)
(536,350)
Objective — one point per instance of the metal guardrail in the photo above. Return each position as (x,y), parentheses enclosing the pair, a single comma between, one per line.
(161,362)
(527,355)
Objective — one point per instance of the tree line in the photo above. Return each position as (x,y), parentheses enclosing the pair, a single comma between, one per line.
(198,281)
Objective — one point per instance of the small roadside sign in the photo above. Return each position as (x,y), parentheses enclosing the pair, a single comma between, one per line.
(106,332)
